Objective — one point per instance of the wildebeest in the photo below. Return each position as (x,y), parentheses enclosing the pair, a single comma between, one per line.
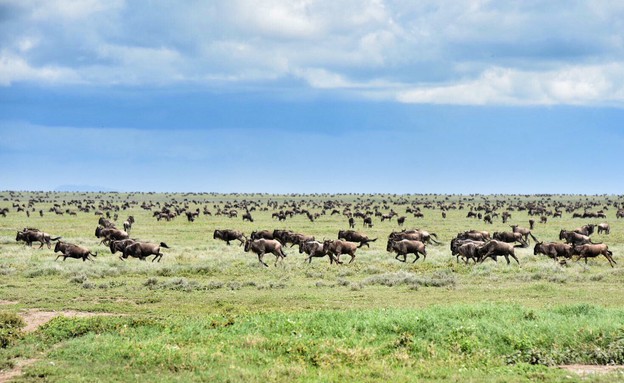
(32,235)
(469,250)
(128,224)
(494,248)
(594,250)
(110,234)
(574,238)
(401,220)
(314,249)
(351,223)
(553,250)
(604,228)
(266,234)
(524,231)
(475,235)
(247,217)
(415,235)
(407,246)
(228,235)
(120,245)
(263,246)
(143,250)
(510,237)
(338,247)
(368,222)
(586,229)
(354,236)
(69,250)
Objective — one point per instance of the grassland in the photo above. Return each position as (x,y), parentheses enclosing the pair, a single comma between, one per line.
(211,312)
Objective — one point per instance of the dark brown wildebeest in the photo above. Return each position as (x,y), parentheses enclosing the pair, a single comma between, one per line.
(475,235)
(368,222)
(110,234)
(406,246)
(619,213)
(120,245)
(247,217)
(314,249)
(531,224)
(510,238)
(228,235)
(469,250)
(105,222)
(574,238)
(586,229)
(282,235)
(543,219)
(69,250)
(128,224)
(263,246)
(443,215)
(143,250)
(338,247)
(594,250)
(401,220)
(190,216)
(351,223)
(604,228)
(266,234)
(298,238)
(354,236)
(415,235)
(524,231)
(32,235)
(494,248)
(553,250)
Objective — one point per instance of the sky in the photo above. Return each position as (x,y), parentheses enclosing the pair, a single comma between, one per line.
(312,96)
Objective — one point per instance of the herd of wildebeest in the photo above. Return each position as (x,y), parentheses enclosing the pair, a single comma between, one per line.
(475,245)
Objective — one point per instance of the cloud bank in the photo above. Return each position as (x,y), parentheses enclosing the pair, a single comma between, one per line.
(426,52)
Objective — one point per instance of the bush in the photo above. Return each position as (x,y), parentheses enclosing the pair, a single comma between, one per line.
(10,329)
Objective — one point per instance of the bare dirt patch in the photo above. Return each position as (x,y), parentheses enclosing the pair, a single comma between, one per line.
(34,319)
(586,369)
(4,302)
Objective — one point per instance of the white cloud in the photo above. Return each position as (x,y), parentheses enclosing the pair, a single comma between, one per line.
(579,85)
(474,52)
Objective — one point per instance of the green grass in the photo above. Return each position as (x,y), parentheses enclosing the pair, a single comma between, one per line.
(210,312)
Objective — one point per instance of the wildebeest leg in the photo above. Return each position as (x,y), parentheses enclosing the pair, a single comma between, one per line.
(608,255)
(352,258)
(416,258)
(514,257)
(397,258)
(41,246)
(60,255)
(260,256)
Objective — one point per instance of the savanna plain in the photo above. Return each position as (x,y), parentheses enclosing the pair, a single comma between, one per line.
(209,311)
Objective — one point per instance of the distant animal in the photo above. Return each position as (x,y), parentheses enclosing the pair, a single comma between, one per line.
(29,236)
(339,247)
(69,250)
(368,222)
(406,246)
(143,250)
(247,217)
(263,246)
(586,229)
(351,223)
(401,220)
(594,250)
(604,228)
(228,235)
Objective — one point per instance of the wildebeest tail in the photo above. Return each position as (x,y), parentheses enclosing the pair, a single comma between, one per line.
(55,238)
(94,254)
(162,244)
(282,252)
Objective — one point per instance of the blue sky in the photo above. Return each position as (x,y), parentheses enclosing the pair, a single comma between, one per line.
(313,96)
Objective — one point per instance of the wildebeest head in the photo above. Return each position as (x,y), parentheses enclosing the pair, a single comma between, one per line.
(247,245)
(537,249)
(217,234)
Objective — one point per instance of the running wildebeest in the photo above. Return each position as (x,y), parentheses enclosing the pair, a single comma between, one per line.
(263,246)
(143,250)
(69,250)
(228,235)
(406,246)
(594,250)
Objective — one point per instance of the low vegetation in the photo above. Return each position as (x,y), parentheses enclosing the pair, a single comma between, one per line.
(211,312)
